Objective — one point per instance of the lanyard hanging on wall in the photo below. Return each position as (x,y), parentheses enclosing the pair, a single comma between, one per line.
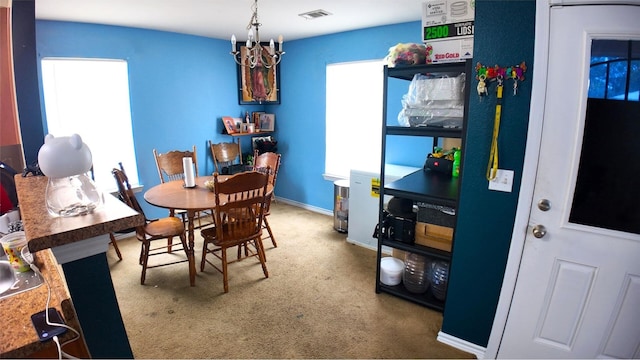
(498,74)
(492,167)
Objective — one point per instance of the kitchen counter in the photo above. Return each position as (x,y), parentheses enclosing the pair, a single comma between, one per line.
(18,338)
(78,244)
(45,231)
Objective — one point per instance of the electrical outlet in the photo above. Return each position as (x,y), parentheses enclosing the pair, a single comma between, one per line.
(503,181)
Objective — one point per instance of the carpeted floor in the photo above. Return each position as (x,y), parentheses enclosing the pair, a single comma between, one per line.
(318,302)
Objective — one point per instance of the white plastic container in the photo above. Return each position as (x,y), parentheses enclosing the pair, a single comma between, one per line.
(391,270)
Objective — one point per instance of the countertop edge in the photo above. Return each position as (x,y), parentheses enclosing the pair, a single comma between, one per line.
(46,231)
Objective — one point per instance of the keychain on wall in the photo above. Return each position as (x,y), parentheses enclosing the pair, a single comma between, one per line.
(486,75)
(498,74)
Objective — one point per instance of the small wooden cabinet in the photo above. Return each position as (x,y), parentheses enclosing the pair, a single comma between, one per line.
(423,185)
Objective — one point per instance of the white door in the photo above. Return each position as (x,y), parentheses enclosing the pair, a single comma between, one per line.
(577,293)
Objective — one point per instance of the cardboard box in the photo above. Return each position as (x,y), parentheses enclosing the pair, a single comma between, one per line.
(397,253)
(435,236)
(447,28)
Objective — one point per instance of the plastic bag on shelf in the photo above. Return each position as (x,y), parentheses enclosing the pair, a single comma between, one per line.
(406,54)
(433,101)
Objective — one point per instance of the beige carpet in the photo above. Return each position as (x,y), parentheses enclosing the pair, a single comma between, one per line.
(318,302)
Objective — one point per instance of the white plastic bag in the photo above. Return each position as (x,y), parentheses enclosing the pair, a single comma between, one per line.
(433,101)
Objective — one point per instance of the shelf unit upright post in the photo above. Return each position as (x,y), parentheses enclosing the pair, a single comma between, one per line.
(422,185)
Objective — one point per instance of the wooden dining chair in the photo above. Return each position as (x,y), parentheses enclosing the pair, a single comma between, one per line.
(153,229)
(269,163)
(170,167)
(227,157)
(240,203)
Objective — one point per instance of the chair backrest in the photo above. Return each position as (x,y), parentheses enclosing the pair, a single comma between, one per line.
(127,196)
(240,204)
(170,166)
(267,160)
(124,187)
(225,154)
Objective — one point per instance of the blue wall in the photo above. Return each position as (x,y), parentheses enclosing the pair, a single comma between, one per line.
(504,33)
(300,119)
(181,85)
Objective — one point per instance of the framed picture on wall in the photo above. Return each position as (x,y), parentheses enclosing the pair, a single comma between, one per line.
(258,84)
(255,118)
(232,124)
(267,122)
(229,124)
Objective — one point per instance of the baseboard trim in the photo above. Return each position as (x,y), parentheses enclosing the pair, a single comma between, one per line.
(305,206)
(463,345)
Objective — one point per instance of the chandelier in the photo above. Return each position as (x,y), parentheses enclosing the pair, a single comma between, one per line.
(253,56)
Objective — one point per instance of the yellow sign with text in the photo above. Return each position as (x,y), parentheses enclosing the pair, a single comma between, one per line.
(375,187)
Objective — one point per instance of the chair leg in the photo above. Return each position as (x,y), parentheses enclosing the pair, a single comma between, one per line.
(172,213)
(115,245)
(225,277)
(266,224)
(262,256)
(204,255)
(145,259)
(169,244)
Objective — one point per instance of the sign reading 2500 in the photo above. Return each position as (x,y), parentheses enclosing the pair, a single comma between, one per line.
(448,31)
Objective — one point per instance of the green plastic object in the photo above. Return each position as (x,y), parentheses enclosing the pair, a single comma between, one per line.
(455,172)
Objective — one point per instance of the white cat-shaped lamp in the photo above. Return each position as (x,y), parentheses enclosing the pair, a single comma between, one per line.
(65,161)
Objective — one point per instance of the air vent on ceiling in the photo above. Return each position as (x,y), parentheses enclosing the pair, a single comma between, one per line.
(315,14)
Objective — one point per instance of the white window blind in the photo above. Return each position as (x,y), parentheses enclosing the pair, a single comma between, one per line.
(90,97)
(353,117)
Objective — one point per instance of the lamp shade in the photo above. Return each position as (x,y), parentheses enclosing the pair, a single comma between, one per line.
(64,156)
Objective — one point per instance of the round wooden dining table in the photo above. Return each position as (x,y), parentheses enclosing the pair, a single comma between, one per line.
(173,195)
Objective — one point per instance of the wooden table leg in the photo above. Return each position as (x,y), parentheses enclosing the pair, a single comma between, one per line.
(190,248)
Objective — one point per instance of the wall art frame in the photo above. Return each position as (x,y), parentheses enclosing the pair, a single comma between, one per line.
(267,122)
(258,85)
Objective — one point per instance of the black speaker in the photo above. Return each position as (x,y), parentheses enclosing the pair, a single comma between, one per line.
(438,164)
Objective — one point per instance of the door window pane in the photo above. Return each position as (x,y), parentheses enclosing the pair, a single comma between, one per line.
(606,193)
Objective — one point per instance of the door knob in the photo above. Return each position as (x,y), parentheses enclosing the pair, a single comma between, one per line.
(539,231)
(544,205)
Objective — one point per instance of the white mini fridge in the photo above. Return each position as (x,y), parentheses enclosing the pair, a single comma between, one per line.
(363,204)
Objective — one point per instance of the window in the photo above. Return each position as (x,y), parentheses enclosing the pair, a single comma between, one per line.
(615,70)
(90,97)
(353,117)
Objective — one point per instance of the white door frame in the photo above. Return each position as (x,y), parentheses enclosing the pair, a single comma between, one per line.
(530,166)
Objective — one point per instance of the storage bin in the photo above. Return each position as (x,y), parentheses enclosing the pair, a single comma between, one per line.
(391,270)
(341,205)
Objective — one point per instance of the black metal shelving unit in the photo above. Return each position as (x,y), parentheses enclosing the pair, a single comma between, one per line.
(422,185)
